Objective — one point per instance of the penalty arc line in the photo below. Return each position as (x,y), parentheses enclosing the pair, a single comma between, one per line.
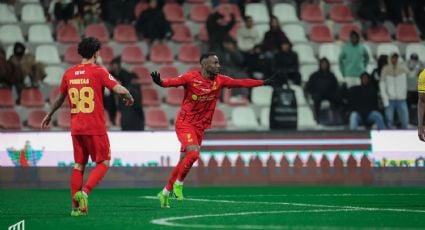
(356,208)
(169,220)
(318,195)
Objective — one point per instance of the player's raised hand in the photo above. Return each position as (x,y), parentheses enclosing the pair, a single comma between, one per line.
(46,121)
(156,77)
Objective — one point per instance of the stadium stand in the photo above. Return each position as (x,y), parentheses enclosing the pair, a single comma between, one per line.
(11,33)
(189,54)
(143,75)
(150,97)
(124,33)
(40,33)
(160,53)
(98,31)
(290,15)
(34,119)
(312,13)
(219,119)
(243,117)
(68,33)
(6,98)
(132,55)
(313,37)
(32,97)
(156,118)
(10,120)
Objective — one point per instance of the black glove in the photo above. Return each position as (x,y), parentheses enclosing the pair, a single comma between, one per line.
(272,81)
(156,78)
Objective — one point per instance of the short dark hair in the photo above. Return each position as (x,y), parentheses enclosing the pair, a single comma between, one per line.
(355,33)
(88,47)
(205,56)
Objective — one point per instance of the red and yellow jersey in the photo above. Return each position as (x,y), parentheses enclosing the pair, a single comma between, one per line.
(84,84)
(201,95)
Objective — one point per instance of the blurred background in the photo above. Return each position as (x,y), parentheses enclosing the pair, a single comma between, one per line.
(345,111)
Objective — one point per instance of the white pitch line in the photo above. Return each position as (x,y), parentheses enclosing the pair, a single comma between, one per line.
(319,195)
(169,220)
(357,208)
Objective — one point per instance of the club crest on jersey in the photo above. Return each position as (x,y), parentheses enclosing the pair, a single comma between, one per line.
(194,97)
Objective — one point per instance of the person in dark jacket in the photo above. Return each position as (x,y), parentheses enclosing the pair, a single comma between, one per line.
(322,85)
(218,30)
(363,103)
(274,37)
(286,61)
(152,24)
(132,118)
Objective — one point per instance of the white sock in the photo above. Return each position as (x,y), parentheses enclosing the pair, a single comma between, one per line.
(178,182)
(165,192)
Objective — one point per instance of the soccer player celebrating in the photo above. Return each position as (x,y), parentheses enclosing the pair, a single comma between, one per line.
(84,85)
(202,89)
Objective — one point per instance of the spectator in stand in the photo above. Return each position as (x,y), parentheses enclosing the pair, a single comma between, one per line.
(247,37)
(393,86)
(371,11)
(419,15)
(376,73)
(258,65)
(90,11)
(322,85)
(363,103)
(414,67)
(119,11)
(286,61)
(5,69)
(152,24)
(218,29)
(353,60)
(125,78)
(26,71)
(231,61)
(274,37)
(62,10)
(231,58)
(394,10)
(132,118)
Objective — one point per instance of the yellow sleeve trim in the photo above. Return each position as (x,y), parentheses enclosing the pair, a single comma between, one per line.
(421,82)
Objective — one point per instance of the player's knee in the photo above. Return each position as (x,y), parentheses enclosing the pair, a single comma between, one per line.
(192,148)
(79,166)
(105,163)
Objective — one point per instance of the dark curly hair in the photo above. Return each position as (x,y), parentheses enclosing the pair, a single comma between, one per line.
(88,47)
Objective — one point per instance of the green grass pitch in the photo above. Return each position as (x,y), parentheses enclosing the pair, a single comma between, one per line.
(222,208)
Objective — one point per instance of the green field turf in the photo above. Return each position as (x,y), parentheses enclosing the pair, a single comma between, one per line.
(222,208)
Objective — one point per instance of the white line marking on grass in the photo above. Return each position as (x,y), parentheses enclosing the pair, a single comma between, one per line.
(356,208)
(319,195)
(169,221)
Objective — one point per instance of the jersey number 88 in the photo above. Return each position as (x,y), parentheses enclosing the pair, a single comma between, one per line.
(81,100)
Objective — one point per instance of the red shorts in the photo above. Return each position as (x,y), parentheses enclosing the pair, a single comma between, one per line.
(189,135)
(95,146)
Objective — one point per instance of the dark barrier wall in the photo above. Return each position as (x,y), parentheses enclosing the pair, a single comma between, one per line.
(304,168)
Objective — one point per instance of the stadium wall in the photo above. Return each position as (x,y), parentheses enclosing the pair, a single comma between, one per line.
(144,159)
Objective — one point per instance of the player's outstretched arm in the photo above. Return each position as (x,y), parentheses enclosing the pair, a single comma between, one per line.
(169,82)
(58,103)
(124,94)
(421,113)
